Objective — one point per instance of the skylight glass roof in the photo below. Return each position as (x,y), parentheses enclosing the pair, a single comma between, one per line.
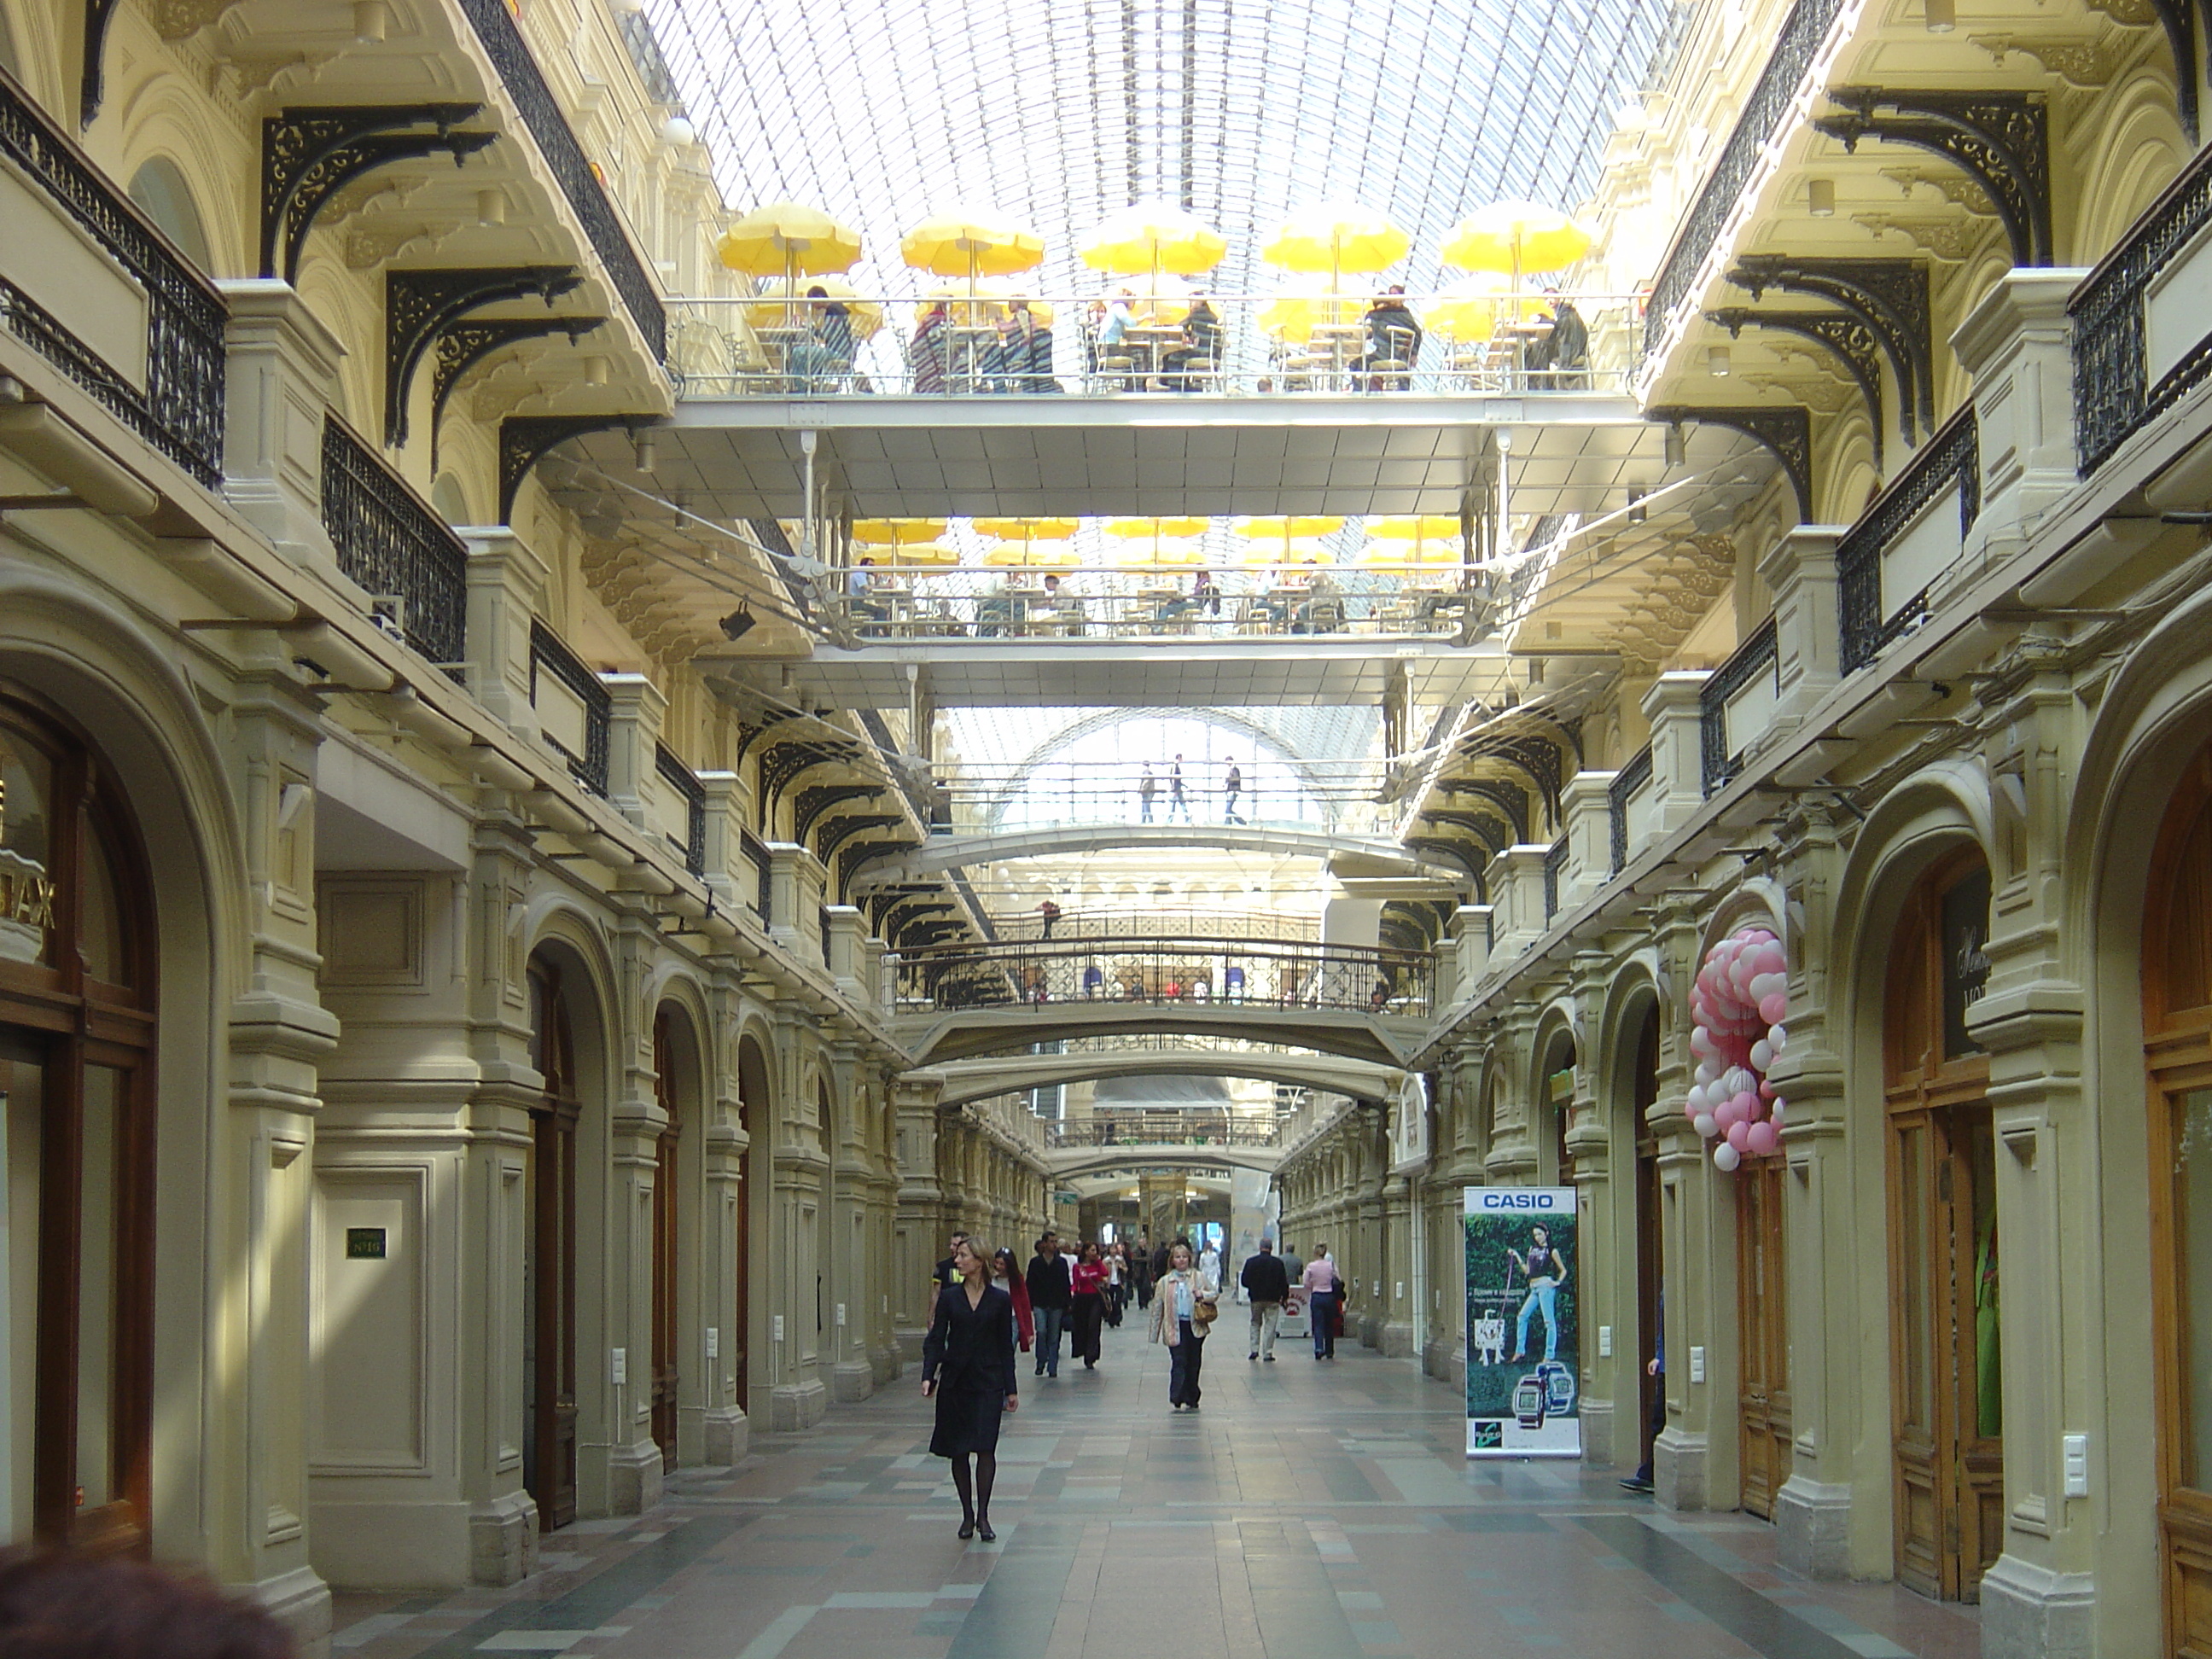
(882,112)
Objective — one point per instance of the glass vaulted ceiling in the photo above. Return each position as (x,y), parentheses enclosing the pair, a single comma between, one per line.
(1057,112)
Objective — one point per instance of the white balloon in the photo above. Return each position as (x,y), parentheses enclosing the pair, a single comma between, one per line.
(1703,1123)
(1726,1158)
(1777,1037)
(1696,1102)
(1762,1054)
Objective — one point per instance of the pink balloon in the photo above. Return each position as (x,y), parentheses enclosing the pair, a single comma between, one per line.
(1738,1135)
(1747,1105)
(1726,1115)
(1765,1090)
(1774,1009)
(1760,1140)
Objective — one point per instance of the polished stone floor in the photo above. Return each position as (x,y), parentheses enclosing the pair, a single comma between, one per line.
(1307,1511)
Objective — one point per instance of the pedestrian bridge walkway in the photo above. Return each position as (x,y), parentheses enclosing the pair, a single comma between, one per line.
(942,853)
(965,1080)
(933,1036)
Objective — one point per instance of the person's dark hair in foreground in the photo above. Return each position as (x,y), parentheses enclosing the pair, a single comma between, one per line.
(58,1606)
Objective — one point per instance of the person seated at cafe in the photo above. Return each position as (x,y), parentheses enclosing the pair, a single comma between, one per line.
(995,613)
(925,354)
(1022,359)
(1323,612)
(859,585)
(1204,597)
(827,352)
(1200,349)
(1394,336)
(1064,610)
(1559,361)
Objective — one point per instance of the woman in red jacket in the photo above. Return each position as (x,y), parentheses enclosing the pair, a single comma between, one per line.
(1086,1308)
(1006,1272)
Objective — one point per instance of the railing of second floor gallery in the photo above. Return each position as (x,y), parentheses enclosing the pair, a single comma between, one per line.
(496,28)
(395,547)
(179,407)
(1773,96)
(930,602)
(1731,707)
(777,347)
(693,793)
(1875,560)
(1143,922)
(1169,1126)
(1620,801)
(1165,970)
(2137,350)
(582,739)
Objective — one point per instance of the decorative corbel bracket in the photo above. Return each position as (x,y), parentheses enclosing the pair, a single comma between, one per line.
(465,344)
(527,440)
(309,154)
(1846,338)
(1785,430)
(1890,296)
(98,15)
(2001,139)
(419,306)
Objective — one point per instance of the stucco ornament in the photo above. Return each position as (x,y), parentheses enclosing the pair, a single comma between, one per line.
(1737,1008)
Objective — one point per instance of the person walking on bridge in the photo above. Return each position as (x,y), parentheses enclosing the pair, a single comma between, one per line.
(1267,1285)
(1048,1296)
(1230,788)
(1176,799)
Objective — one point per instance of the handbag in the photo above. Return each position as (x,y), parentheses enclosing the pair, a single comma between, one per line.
(1203,1312)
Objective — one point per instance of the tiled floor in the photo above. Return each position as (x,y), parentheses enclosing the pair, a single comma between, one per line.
(1308,1511)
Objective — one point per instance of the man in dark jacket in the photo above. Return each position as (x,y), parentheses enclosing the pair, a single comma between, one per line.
(1268,1286)
(1049,1289)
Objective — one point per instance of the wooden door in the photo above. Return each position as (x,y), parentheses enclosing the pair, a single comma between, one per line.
(1947,1411)
(550,1261)
(2176,972)
(664,1348)
(1650,1278)
(1762,1332)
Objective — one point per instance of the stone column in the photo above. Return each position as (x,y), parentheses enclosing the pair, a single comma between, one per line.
(1696,1243)
(280,385)
(618,1458)
(1586,804)
(1678,765)
(2017,346)
(924,1216)
(726,1432)
(507,590)
(1604,1211)
(632,740)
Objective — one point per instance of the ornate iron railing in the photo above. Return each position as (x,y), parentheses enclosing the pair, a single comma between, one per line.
(1167,970)
(1139,1127)
(1618,794)
(2112,395)
(1795,52)
(395,547)
(549,654)
(541,112)
(1555,862)
(685,782)
(763,895)
(179,412)
(1151,923)
(1950,460)
(1755,657)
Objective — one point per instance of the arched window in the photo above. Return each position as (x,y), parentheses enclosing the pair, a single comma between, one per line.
(159,188)
(446,495)
(8,60)
(76,1039)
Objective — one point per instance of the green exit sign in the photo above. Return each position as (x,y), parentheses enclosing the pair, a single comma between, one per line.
(364,1244)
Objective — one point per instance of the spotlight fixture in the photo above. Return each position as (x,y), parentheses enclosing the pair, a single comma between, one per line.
(647,458)
(1717,361)
(370,19)
(737,624)
(1820,198)
(491,207)
(1943,16)
(1636,510)
(595,370)
(1677,451)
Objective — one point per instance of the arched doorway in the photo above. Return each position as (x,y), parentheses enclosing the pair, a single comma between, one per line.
(1762,1316)
(2177,993)
(1555,1085)
(753,1106)
(1947,1410)
(1643,1094)
(674,1088)
(77,1094)
(548,1271)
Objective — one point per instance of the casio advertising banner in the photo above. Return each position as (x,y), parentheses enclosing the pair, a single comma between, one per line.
(1524,1364)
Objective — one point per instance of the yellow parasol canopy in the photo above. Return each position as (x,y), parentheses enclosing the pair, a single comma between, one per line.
(1152,237)
(1166,551)
(771,311)
(935,556)
(1336,238)
(1412,538)
(1472,309)
(1516,237)
(1153,529)
(786,239)
(984,301)
(1027,530)
(1033,555)
(972,244)
(1294,313)
(896,532)
(1289,527)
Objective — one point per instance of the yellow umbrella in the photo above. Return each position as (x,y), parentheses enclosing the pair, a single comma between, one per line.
(1471,309)
(1404,555)
(1033,555)
(1024,529)
(1516,237)
(1292,525)
(896,532)
(789,240)
(1155,237)
(973,244)
(1298,549)
(984,301)
(1336,238)
(1412,538)
(867,315)
(936,556)
(1153,529)
(1294,313)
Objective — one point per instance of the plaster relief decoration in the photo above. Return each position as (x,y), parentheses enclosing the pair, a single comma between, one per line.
(1738,1004)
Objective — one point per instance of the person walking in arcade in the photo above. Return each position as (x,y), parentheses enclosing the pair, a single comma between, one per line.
(1181,1310)
(1087,1306)
(968,1364)
(1323,1285)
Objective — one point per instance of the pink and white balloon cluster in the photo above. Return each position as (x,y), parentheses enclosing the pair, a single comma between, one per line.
(1737,1008)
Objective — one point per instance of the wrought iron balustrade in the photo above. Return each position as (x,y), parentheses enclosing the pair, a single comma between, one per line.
(1618,795)
(496,28)
(1167,970)
(179,409)
(550,655)
(1555,864)
(937,602)
(693,793)
(1755,657)
(1796,50)
(2112,394)
(1949,460)
(1143,923)
(1138,1127)
(762,898)
(395,547)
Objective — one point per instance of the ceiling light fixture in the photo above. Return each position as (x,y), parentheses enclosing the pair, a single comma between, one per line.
(370,19)
(1717,361)
(1677,451)
(1820,198)
(1943,16)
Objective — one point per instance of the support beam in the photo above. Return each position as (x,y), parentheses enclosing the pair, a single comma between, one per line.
(309,154)
(465,344)
(1890,296)
(527,440)
(2001,140)
(1844,337)
(1785,430)
(420,305)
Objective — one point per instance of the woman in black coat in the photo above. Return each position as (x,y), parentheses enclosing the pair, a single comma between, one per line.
(967,1363)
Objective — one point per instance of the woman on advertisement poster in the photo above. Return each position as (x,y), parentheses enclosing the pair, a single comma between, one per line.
(1546,1269)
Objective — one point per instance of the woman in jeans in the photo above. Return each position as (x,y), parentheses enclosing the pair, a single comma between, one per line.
(1324,1287)
(1176,1302)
